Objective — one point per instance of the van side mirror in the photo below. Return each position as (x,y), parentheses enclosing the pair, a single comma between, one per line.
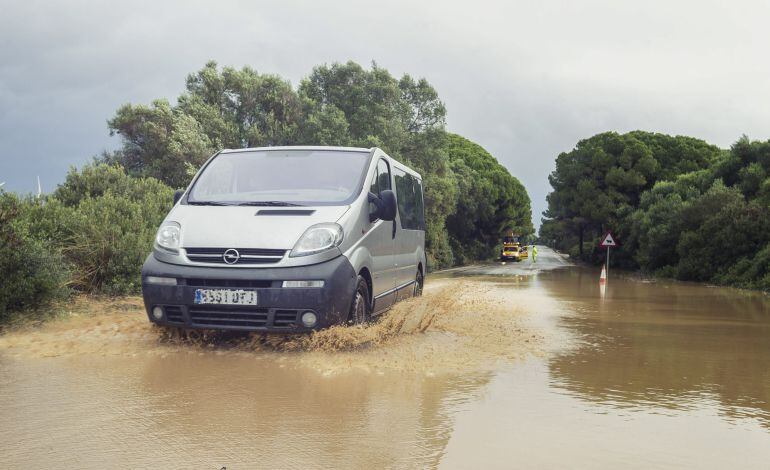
(384,206)
(178,195)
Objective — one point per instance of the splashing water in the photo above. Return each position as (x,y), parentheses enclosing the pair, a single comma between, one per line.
(457,323)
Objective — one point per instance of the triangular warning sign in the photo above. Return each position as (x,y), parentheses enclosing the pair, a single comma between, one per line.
(608,240)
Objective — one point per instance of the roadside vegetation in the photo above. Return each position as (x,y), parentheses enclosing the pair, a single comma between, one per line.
(92,234)
(680,207)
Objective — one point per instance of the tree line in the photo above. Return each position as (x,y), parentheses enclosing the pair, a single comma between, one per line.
(681,208)
(93,232)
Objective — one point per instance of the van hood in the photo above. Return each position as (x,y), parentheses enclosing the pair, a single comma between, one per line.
(248,226)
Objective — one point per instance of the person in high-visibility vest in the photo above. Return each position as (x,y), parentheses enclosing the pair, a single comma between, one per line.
(534,254)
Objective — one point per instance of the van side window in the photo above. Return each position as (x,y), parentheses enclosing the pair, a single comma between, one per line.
(381,179)
(410,203)
(419,203)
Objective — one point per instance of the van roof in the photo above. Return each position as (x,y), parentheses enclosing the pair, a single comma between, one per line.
(300,147)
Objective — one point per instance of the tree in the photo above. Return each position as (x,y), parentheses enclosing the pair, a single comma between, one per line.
(706,218)
(490,201)
(747,165)
(242,108)
(656,227)
(158,140)
(719,228)
(599,183)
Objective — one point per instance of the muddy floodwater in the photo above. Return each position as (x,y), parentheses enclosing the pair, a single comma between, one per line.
(520,369)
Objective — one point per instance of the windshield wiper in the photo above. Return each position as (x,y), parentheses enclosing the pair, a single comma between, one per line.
(269,203)
(209,203)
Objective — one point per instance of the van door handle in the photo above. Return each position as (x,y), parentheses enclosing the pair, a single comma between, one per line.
(394,228)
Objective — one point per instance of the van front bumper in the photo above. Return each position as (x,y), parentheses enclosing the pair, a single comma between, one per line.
(278,309)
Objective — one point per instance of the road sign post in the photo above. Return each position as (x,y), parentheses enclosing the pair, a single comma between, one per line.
(608,242)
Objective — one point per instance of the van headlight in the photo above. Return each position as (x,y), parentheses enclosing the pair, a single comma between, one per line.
(318,238)
(168,236)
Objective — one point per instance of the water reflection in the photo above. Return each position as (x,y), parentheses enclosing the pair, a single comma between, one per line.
(186,410)
(664,345)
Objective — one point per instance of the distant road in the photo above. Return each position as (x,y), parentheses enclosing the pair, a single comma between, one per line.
(547,259)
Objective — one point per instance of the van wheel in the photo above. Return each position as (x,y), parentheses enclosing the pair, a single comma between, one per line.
(419,281)
(360,307)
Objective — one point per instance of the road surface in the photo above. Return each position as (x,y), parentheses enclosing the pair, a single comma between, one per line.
(547,260)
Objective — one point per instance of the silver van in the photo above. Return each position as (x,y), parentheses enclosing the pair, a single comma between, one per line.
(288,239)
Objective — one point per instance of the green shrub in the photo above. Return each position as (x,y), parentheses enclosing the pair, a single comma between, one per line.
(721,229)
(98,179)
(105,223)
(109,238)
(751,272)
(34,273)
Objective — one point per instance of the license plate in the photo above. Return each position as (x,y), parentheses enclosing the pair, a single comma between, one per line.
(225,296)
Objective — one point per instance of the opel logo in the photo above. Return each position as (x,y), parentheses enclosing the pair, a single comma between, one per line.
(231,256)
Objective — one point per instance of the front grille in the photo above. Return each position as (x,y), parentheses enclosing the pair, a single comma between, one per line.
(174,314)
(235,317)
(219,317)
(236,283)
(246,255)
(285,318)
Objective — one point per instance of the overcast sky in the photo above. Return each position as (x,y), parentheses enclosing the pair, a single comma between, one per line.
(525,79)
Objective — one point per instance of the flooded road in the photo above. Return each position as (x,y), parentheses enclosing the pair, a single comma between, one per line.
(497,366)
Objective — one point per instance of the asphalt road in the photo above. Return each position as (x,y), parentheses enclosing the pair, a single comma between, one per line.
(547,259)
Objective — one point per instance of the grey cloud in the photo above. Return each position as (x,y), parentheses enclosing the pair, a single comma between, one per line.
(524,79)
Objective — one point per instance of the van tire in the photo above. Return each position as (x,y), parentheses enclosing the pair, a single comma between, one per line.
(419,282)
(360,307)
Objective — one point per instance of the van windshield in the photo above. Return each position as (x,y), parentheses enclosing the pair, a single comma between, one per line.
(281,177)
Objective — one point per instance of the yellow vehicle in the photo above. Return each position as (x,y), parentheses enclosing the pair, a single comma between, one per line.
(510,253)
(523,252)
(511,249)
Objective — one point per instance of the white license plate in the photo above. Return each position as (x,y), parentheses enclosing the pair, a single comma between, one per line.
(225,296)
